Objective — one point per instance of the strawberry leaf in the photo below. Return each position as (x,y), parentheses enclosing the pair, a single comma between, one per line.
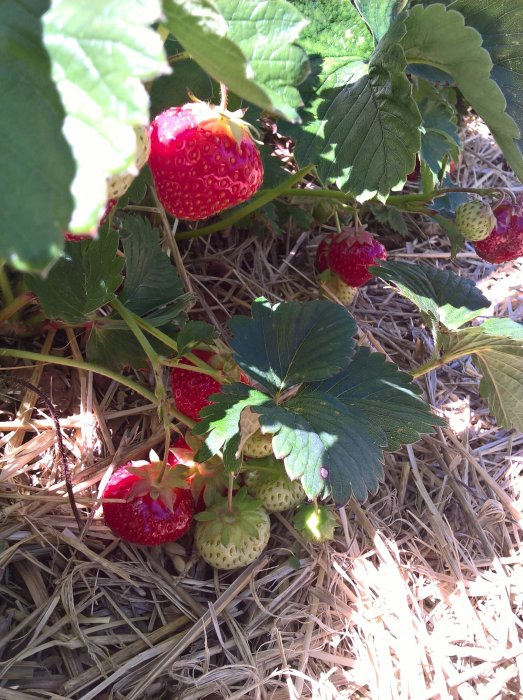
(249,48)
(442,296)
(290,343)
(440,37)
(106,100)
(497,350)
(37,165)
(379,14)
(386,396)
(82,281)
(152,290)
(193,333)
(221,419)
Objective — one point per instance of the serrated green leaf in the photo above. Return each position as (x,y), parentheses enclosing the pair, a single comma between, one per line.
(387,214)
(439,37)
(455,236)
(248,46)
(84,279)
(37,165)
(151,280)
(500,23)
(444,297)
(195,332)
(379,14)
(332,448)
(386,396)
(221,419)
(439,139)
(365,136)
(100,52)
(290,343)
(337,41)
(500,360)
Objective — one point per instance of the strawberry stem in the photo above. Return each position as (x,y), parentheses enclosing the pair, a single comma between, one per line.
(78,364)
(5,286)
(131,320)
(256,203)
(13,306)
(230,487)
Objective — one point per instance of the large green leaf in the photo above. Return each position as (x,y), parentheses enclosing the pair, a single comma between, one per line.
(497,348)
(442,296)
(386,396)
(152,290)
(338,43)
(500,23)
(439,37)
(37,165)
(290,343)
(439,139)
(333,448)
(100,52)
(379,14)
(246,45)
(82,281)
(364,137)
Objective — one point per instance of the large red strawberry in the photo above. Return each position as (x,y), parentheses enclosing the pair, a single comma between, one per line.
(351,253)
(505,242)
(157,505)
(203,160)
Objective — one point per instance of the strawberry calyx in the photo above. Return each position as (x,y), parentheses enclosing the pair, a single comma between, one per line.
(231,525)
(157,479)
(316,523)
(220,120)
(353,234)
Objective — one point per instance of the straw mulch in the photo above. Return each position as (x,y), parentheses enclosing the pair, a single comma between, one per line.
(420,596)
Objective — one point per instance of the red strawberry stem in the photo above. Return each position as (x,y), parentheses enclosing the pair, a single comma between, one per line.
(256,203)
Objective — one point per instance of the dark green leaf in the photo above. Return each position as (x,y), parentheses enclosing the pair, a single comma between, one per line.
(379,14)
(193,333)
(291,343)
(100,54)
(454,235)
(37,165)
(439,37)
(386,396)
(441,295)
(364,137)
(333,448)
(500,359)
(151,280)
(389,215)
(82,281)
(439,139)
(248,47)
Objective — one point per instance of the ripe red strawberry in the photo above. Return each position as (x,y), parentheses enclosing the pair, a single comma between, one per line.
(349,255)
(158,505)
(505,242)
(203,160)
(192,389)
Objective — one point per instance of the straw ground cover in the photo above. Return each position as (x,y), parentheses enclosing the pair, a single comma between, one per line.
(419,596)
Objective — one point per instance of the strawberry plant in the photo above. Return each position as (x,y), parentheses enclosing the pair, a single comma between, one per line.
(165,106)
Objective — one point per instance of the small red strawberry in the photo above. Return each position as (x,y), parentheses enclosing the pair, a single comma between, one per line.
(505,242)
(203,160)
(351,253)
(191,390)
(158,506)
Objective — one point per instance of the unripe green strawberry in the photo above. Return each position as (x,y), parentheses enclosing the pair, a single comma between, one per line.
(117,185)
(315,523)
(269,483)
(229,539)
(258,445)
(475,220)
(343,292)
